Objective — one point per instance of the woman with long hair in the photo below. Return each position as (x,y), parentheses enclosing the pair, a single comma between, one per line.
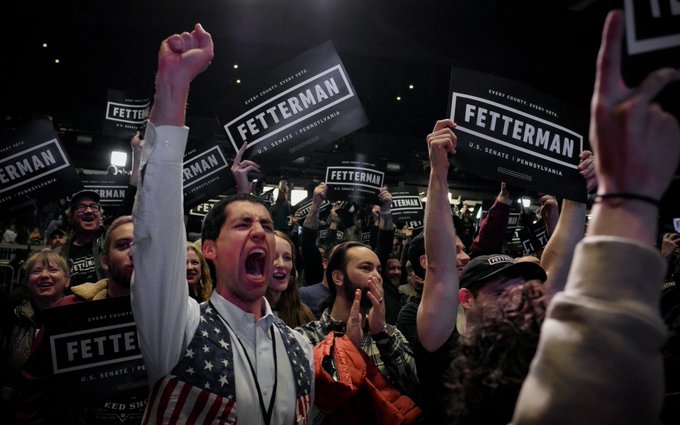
(282,292)
(198,274)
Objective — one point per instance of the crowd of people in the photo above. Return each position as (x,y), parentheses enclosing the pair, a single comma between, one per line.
(272,318)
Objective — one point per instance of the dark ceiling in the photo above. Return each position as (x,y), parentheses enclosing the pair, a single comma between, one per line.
(385,46)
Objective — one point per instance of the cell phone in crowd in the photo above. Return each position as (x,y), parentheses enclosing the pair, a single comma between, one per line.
(676,224)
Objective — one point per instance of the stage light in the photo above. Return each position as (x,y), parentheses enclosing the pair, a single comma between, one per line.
(118,158)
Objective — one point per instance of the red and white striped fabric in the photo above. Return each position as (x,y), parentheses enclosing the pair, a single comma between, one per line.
(173,401)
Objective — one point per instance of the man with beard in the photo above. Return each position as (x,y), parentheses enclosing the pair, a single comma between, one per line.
(353,274)
(81,250)
(116,261)
(47,398)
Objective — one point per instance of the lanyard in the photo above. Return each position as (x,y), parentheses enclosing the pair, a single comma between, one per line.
(266,413)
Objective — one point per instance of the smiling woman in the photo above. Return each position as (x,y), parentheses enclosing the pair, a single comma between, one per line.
(48,278)
(198,274)
(282,291)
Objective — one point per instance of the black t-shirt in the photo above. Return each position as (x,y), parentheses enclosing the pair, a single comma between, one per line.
(406,320)
(82,265)
(433,371)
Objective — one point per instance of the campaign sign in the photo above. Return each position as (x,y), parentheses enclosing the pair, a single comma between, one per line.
(202,209)
(323,234)
(297,108)
(197,214)
(111,189)
(510,132)
(34,165)
(514,223)
(301,209)
(357,180)
(268,196)
(533,238)
(406,204)
(125,113)
(95,358)
(652,25)
(206,172)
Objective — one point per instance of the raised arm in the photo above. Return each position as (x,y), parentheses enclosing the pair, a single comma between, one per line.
(606,324)
(559,252)
(240,169)
(312,260)
(137,144)
(437,310)
(159,289)
(493,226)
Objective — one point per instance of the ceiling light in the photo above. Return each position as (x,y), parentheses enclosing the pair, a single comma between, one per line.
(84,138)
(394,167)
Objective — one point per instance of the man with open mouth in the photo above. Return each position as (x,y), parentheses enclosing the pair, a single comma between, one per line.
(227,358)
(81,250)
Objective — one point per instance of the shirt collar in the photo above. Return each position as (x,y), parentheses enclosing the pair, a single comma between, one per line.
(237,317)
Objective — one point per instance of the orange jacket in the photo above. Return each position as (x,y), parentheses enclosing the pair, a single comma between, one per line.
(349,385)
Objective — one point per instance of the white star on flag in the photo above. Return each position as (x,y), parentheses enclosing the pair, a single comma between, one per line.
(223,380)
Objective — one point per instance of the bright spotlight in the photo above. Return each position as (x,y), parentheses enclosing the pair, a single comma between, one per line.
(118,158)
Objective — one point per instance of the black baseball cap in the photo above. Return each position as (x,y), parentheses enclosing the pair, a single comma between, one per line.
(78,196)
(481,269)
(57,232)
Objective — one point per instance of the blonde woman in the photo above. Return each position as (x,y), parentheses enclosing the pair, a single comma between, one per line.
(198,273)
(47,279)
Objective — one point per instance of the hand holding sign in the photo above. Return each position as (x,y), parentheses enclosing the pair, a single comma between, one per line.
(319,194)
(587,169)
(137,142)
(385,198)
(440,143)
(636,143)
(504,194)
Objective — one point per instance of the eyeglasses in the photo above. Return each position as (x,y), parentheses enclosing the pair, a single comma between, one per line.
(81,208)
